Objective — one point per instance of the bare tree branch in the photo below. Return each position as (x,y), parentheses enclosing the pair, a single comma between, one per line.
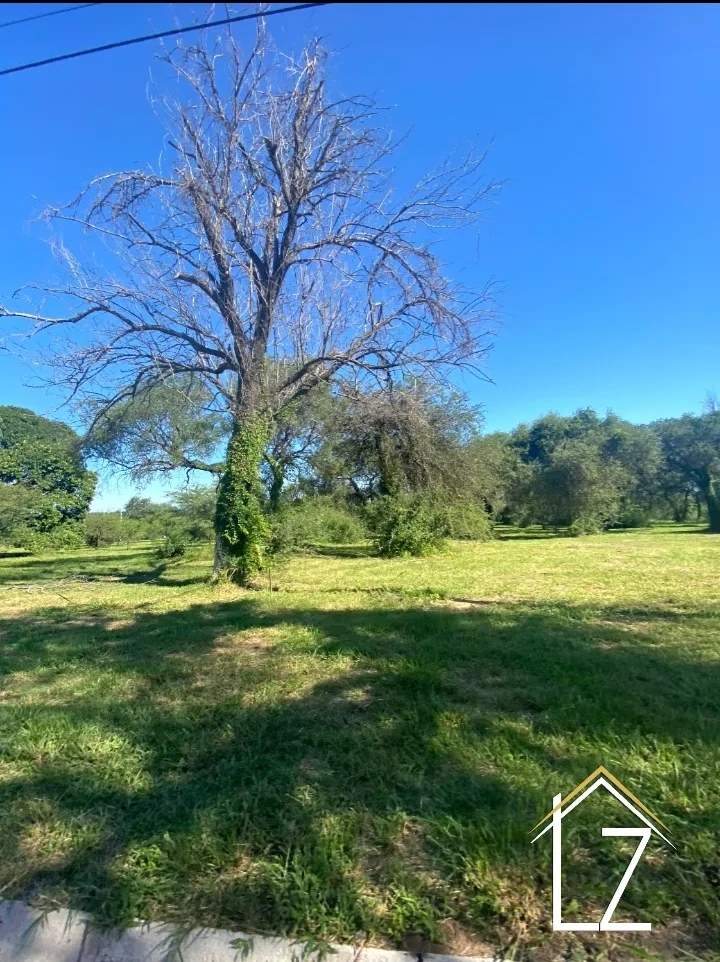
(271,256)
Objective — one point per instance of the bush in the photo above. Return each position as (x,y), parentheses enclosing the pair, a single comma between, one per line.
(407,525)
(587,525)
(311,521)
(634,516)
(63,537)
(189,517)
(468,521)
(173,545)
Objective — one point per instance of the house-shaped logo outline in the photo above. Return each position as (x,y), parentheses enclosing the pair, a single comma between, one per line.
(602,777)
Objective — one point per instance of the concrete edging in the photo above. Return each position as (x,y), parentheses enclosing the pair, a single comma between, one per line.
(30,935)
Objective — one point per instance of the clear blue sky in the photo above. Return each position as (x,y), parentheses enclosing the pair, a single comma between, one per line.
(603,122)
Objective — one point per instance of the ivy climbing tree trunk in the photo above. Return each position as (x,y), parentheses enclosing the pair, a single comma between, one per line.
(241,525)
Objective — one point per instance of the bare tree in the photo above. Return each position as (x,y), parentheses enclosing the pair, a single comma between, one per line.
(266,255)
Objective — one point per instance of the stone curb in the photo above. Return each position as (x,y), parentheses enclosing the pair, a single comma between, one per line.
(29,935)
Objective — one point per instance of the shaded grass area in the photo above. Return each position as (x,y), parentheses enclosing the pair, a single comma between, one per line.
(365,749)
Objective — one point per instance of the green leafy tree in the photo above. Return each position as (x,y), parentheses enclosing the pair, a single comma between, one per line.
(140,509)
(195,506)
(578,489)
(44,483)
(104,528)
(158,429)
(300,430)
(536,443)
(584,471)
(20,507)
(397,452)
(493,470)
(691,447)
(635,451)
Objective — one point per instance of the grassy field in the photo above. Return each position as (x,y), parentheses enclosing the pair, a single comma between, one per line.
(362,750)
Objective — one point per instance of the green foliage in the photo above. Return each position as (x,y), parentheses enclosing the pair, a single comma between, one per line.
(585,524)
(411,439)
(186,518)
(19,425)
(314,520)
(160,428)
(691,446)
(61,537)
(583,472)
(43,480)
(467,520)
(104,528)
(537,443)
(491,465)
(300,430)
(404,524)
(47,469)
(194,511)
(241,525)
(577,489)
(140,509)
(634,516)
(173,545)
(19,508)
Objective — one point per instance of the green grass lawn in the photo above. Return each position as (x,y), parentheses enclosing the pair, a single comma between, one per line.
(364,748)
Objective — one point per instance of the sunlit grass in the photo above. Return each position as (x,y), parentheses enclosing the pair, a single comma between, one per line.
(363,748)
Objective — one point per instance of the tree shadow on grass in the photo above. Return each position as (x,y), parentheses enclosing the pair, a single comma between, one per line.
(162,575)
(528,534)
(683,529)
(248,763)
(136,567)
(344,550)
(72,565)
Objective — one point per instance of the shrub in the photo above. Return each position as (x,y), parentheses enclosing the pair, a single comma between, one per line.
(63,537)
(468,521)
(634,516)
(314,521)
(173,545)
(406,525)
(585,525)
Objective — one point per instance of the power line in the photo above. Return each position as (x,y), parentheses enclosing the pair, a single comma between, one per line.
(158,36)
(49,13)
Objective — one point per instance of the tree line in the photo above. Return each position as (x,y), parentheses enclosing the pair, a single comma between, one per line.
(406,468)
